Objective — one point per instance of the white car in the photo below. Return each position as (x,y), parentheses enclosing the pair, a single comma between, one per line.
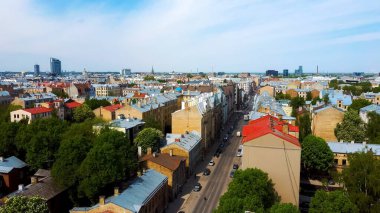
(211,163)
(239,153)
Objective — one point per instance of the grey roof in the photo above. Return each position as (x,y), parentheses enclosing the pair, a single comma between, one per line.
(127,123)
(349,148)
(4,93)
(10,163)
(371,108)
(326,107)
(187,141)
(137,194)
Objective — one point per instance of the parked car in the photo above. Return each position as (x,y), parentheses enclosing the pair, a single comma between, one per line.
(239,153)
(211,163)
(206,172)
(232,173)
(197,187)
(235,166)
(225,138)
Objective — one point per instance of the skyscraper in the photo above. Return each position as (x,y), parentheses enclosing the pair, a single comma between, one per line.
(285,73)
(36,70)
(55,66)
(299,71)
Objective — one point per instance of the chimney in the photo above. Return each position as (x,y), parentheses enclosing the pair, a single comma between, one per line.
(285,128)
(171,152)
(177,140)
(352,142)
(102,200)
(1,159)
(34,180)
(149,151)
(116,191)
(139,104)
(139,151)
(21,187)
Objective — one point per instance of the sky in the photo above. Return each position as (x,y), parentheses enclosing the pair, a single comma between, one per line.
(191,35)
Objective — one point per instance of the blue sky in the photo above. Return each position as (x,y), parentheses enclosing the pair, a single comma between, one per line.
(186,35)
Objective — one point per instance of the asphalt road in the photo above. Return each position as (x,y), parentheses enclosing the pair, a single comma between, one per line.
(220,173)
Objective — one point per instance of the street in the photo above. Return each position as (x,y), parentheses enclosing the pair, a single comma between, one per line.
(214,185)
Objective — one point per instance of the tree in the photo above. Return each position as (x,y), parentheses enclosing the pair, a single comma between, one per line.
(111,159)
(6,110)
(334,84)
(284,208)
(40,141)
(83,113)
(25,205)
(309,96)
(150,122)
(250,190)
(60,93)
(149,78)
(8,132)
(304,126)
(376,90)
(76,143)
(326,99)
(373,128)
(316,155)
(334,201)
(149,137)
(281,95)
(352,127)
(357,104)
(95,103)
(362,179)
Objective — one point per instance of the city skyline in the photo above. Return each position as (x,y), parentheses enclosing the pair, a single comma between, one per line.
(184,36)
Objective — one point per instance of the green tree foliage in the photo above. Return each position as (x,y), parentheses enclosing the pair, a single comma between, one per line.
(295,103)
(304,126)
(326,99)
(334,84)
(251,189)
(314,101)
(95,103)
(373,128)
(76,143)
(281,95)
(362,180)
(8,133)
(309,97)
(83,113)
(335,201)
(149,78)
(357,104)
(376,90)
(60,93)
(352,127)
(6,110)
(150,122)
(25,205)
(111,159)
(283,208)
(316,155)
(149,137)
(40,141)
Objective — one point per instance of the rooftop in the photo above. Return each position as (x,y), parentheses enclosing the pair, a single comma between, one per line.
(165,160)
(73,104)
(38,110)
(186,141)
(349,148)
(7,164)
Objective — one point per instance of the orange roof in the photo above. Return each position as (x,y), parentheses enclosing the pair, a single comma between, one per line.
(73,104)
(268,125)
(113,108)
(139,95)
(38,110)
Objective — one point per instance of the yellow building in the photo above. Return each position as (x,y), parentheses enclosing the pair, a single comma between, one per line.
(173,167)
(324,121)
(277,153)
(107,113)
(267,89)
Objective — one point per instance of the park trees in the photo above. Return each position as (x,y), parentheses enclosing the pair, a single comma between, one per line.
(316,155)
(83,113)
(111,159)
(362,180)
(352,127)
(373,128)
(149,137)
(304,126)
(334,201)
(25,205)
(357,104)
(95,103)
(250,190)
(283,208)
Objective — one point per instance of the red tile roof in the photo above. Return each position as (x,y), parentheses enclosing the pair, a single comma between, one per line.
(73,104)
(38,110)
(113,108)
(139,95)
(268,125)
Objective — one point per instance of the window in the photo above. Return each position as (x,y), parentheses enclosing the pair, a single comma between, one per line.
(336,162)
(344,162)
